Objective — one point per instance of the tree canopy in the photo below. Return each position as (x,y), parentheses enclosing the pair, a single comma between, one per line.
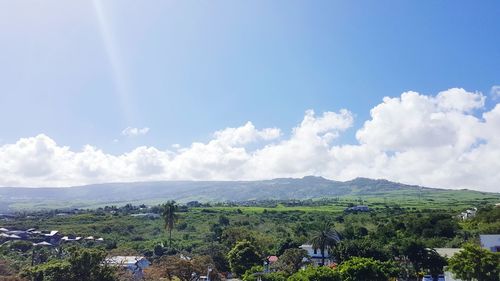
(243,257)
(475,263)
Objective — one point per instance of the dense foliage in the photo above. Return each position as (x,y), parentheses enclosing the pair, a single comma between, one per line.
(362,269)
(81,265)
(475,263)
(243,257)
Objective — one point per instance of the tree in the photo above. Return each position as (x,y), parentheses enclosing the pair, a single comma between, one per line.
(475,263)
(326,238)
(288,243)
(321,273)
(362,269)
(168,212)
(242,257)
(249,274)
(366,248)
(291,260)
(434,263)
(223,220)
(423,258)
(82,265)
(181,268)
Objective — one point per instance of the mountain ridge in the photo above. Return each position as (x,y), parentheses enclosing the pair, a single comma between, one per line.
(309,187)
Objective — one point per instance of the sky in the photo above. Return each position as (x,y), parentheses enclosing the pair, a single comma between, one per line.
(119,90)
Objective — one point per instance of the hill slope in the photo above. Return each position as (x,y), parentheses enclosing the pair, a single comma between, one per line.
(151,192)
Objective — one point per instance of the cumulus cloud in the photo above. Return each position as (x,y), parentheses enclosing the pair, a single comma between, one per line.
(246,134)
(133,132)
(495,92)
(447,140)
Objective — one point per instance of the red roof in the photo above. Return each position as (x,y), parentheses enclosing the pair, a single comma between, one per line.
(272,258)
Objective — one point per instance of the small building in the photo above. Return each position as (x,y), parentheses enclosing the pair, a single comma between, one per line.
(448,253)
(468,214)
(146,215)
(42,244)
(490,242)
(53,237)
(315,255)
(135,264)
(71,238)
(193,204)
(359,208)
(7,237)
(272,259)
(24,235)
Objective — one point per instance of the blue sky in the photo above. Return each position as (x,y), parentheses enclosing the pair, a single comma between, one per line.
(189,68)
(81,72)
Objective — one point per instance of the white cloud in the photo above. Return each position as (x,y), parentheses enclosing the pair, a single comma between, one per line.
(415,121)
(460,100)
(245,134)
(133,132)
(448,140)
(495,92)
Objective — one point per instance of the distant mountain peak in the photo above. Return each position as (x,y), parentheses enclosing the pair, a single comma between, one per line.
(318,178)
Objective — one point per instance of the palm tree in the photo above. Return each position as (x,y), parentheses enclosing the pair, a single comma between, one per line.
(325,239)
(168,212)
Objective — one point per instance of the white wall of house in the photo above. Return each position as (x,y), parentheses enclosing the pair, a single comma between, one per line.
(449,277)
(315,254)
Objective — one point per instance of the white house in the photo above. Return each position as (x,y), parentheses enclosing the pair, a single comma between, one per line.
(470,213)
(359,208)
(136,264)
(490,242)
(315,255)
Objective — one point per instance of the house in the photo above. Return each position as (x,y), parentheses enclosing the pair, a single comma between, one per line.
(272,259)
(136,264)
(24,235)
(490,242)
(193,204)
(359,208)
(315,255)
(467,214)
(146,215)
(53,237)
(71,238)
(43,244)
(448,253)
(6,236)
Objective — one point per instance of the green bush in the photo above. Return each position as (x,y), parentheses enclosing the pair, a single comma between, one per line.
(321,273)
(362,269)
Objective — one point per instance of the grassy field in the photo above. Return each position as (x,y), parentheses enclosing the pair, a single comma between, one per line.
(138,233)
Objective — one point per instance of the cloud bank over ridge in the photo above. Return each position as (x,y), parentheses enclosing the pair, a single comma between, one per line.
(447,140)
